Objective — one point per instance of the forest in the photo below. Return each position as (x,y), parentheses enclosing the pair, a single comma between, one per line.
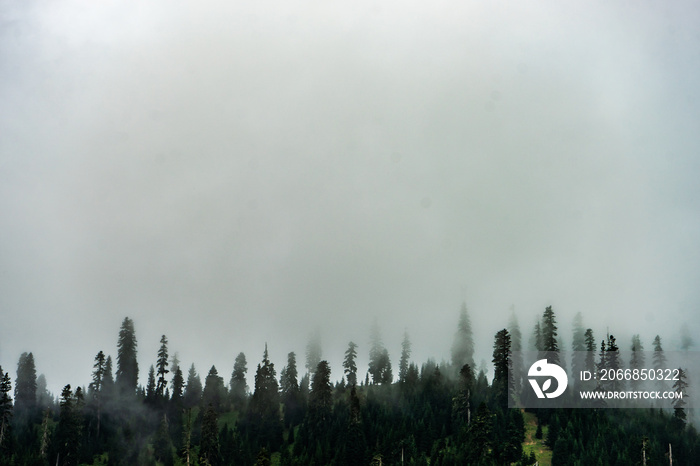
(433,414)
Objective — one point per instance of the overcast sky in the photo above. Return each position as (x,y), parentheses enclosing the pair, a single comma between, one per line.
(231,173)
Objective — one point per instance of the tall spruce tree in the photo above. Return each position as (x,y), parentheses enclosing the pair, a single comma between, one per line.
(589,339)
(349,364)
(238,385)
(636,359)
(516,339)
(321,396)
(463,345)
(264,404)
(502,363)
(214,393)
(289,388)
(5,413)
(659,359)
(209,447)
(379,361)
(127,365)
(193,389)
(405,357)
(25,388)
(550,346)
(313,351)
(162,368)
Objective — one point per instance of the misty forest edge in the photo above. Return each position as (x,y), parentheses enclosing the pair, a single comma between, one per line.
(447,414)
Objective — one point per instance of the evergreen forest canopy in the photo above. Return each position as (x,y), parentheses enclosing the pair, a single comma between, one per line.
(447,414)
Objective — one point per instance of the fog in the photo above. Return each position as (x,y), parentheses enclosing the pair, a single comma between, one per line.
(235,173)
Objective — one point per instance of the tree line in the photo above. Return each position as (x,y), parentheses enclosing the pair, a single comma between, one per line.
(432,414)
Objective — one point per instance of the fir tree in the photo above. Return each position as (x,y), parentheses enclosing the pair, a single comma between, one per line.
(209,447)
(320,398)
(637,358)
(193,389)
(502,383)
(238,385)
(659,359)
(549,336)
(127,365)
(590,350)
(349,364)
(178,384)
(516,339)
(405,357)
(680,387)
(463,345)
(25,388)
(313,352)
(289,386)
(379,361)
(214,393)
(264,404)
(151,385)
(5,412)
(162,366)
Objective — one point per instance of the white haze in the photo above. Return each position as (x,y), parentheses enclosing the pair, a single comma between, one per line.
(235,173)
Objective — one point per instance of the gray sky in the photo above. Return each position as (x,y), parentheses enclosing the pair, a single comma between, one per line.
(232,173)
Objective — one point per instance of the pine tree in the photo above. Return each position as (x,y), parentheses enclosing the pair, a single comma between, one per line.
(637,358)
(349,364)
(214,392)
(193,389)
(659,359)
(379,361)
(264,404)
(289,386)
(313,352)
(463,345)
(127,365)
(68,429)
(613,361)
(95,387)
(405,357)
(578,346)
(536,339)
(502,383)
(549,336)
(162,366)
(590,350)
(178,384)
(321,396)
(516,339)
(680,387)
(25,389)
(5,412)
(209,447)
(238,385)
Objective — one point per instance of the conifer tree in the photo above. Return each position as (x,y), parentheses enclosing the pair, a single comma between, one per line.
(659,359)
(289,386)
(349,364)
(214,393)
(313,351)
(680,387)
(238,385)
(151,385)
(502,383)
(637,358)
(127,365)
(162,366)
(209,447)
(68,429)
(193,389)
(96,386)
(25,388)
(463,345)
(379,361)
(162,444)
(178,384)
(264,404)
(405,357)
(5,411)
(321,396)
(516,339)
(578,346)
(590,350)
(549,336)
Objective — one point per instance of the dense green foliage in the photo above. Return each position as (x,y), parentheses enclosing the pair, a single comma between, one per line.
(431,415)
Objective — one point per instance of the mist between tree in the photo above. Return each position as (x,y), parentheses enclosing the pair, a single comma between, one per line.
(433,413)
